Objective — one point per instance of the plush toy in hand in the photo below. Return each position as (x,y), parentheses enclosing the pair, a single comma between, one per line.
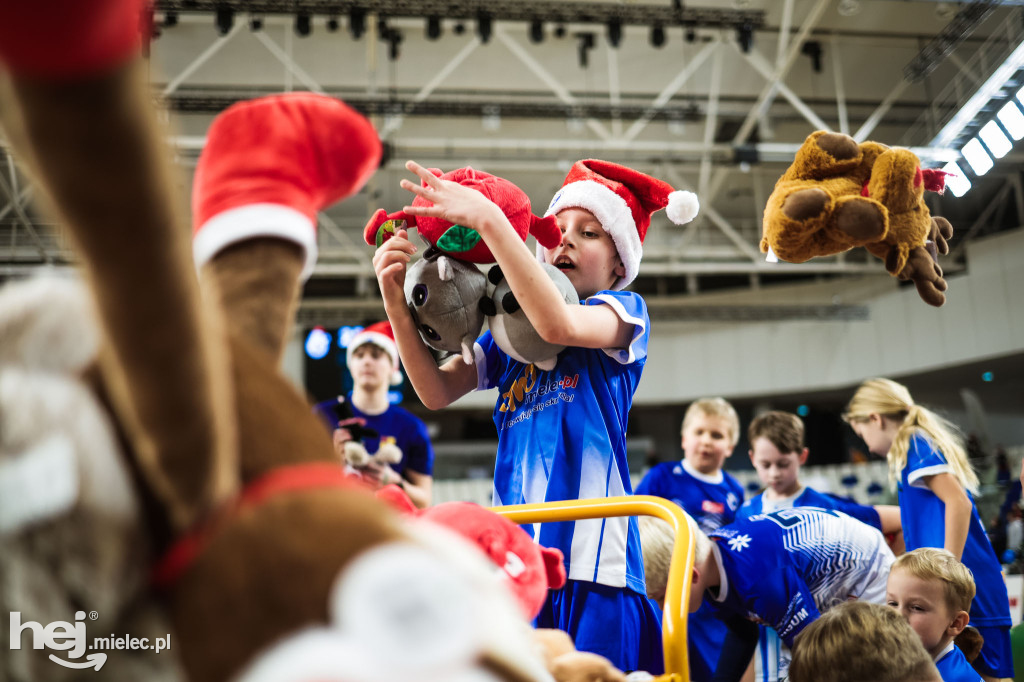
(349,433)
(838,195)
(444,296)
(512,329)
(459,241)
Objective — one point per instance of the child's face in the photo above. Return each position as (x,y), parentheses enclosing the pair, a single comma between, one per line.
(587,254)
(875,433)
(923,605)
(707,441)
(778,471)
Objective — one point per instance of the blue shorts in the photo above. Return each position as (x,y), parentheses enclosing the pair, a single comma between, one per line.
(615,622)
(996,657)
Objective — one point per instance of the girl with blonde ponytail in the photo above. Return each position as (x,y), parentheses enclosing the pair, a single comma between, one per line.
(936,484)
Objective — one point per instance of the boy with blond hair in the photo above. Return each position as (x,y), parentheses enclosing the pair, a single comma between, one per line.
(860,642)
(709,495)
(933,591)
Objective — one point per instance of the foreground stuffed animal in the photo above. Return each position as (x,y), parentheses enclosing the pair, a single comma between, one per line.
(459,241)
(444,296)
(263,539)
(838,195)
(512,330)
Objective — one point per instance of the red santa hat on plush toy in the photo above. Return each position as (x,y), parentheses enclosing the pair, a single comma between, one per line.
(381,335)
(622,200)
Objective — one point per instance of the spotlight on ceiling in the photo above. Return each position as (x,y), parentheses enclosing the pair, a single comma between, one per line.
(357,22)
(657,35)
(586,44)
(170,18)
(433,27)
(614,31)
(303,25)
(394,42)
(483,27)
(745,36)
(255,22)
(536,31)
(691,34)
(333,24)
(224,20)
(560,31)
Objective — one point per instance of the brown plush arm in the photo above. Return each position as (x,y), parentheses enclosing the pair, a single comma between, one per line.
(93,143)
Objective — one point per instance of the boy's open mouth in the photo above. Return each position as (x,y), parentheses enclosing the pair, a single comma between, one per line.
(563,263)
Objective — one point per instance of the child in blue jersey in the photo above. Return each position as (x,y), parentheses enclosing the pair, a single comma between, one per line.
(710,496)
(561,432)
(777,452)
(936,487)
(782,569)
(859,641)
(932,590)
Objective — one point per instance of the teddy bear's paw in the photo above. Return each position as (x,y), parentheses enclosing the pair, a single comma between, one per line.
(862,220)
(941,231)
(840,147)
(926,274)
(805,204)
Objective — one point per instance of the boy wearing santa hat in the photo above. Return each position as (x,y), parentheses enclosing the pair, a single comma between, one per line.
(561,432)
(372,360)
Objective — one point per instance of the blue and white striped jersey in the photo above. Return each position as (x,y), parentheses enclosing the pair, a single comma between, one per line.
(785,567)
(562,436)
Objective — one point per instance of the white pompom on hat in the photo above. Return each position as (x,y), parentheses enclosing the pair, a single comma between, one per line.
(622,200)
(381,335)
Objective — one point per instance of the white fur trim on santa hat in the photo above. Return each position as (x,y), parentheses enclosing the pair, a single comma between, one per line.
(251,221)
(615,217)
(682,207)
(382,341)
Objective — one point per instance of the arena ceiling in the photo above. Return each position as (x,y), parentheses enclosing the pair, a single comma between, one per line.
(711,96)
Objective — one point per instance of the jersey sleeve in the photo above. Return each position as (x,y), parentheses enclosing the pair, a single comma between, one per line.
(749,508)
(862,512)
(490,362)
(784,602)
(923,459)
(631,308)
(420,457)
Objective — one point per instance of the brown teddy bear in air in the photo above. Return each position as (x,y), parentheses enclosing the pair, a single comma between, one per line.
(838,195)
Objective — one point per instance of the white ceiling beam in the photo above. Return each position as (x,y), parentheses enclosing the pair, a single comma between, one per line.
(198,62)
(538,70)
(614,93)
(876,116)
(393,123)
(779,73)
(837,74)
(287,61)
(710,122)
(669,91)
(758,61)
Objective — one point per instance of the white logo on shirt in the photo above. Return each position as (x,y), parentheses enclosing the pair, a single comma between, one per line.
(739,543)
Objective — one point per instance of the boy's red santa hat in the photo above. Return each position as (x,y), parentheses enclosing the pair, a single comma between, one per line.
(381,335)
(622,200)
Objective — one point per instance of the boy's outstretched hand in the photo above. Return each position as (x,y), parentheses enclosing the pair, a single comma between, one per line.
(458,204)
(389,263)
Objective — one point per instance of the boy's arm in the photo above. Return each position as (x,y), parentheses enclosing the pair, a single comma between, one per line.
(737,649)
(555,322)
(436,386)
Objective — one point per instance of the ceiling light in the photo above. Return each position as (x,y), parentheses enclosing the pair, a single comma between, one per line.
(994,138)
(745,36)
(333,24)
(224,19)
(957,181)
(657,35)
(614,31)
(303,25)
(536,31)
(483,27)
(977,157)
(357,22)
(1012,119)
(434,27)
(848,8)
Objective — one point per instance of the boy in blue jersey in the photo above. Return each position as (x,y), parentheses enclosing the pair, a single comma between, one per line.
(777,452)
(933,591)
(782,569)
(710,496)
(561,432)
